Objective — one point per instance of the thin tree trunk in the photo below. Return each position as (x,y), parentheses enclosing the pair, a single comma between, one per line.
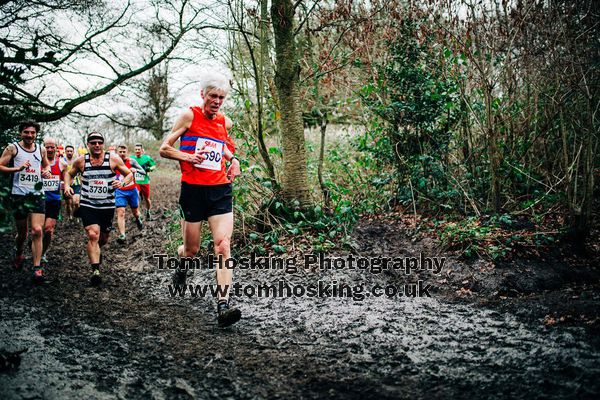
(324,189)
(258,70)
(295,175)
(492,150)
(260,81)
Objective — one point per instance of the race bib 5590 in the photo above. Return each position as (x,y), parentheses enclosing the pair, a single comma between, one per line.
(214,156)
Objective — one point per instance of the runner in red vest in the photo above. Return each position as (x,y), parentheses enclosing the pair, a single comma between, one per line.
(206,192)
(52,192)
(127,195)
(231,146)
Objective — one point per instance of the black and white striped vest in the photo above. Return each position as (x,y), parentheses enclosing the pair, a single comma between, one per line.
(96,184)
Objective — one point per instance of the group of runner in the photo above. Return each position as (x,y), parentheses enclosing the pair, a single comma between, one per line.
(39,174)
(99,181)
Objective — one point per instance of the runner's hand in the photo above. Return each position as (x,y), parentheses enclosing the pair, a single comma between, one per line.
(199,156)
(117,184)
(46,174)
(69,191)
(234,169)
(25,165)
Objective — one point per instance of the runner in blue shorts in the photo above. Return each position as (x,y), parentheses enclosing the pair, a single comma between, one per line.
(127,195)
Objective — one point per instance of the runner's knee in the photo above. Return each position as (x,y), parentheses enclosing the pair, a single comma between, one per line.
(191,250)
(222,245)
(93,235)
(36,231)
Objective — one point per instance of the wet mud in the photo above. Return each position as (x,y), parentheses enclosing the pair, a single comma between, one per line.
(130,339)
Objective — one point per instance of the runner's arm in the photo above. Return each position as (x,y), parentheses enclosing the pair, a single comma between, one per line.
(234,169)
(151,164)
(45,164)
(138,168)
(7,154)
(64,167)
(181,126)
(120,166)
(229,141)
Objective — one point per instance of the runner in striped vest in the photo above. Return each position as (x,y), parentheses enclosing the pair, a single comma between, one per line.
(97,204)
(97,191)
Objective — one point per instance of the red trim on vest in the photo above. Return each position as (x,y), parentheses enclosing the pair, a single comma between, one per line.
(132,185)
(55,168)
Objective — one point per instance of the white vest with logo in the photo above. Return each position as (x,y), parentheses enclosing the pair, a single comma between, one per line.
(24,181)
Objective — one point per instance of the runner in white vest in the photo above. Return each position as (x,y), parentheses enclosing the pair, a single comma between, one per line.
(27,161)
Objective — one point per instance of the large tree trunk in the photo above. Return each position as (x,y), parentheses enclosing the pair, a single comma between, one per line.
(295,177)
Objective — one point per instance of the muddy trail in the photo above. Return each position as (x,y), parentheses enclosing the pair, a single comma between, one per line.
(481,334)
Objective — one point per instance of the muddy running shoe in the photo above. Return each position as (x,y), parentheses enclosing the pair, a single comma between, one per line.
(148,216)
(227,316)
(180,277)
(18,262)
(121,238)
(138,222)
(38,275)
(96,278)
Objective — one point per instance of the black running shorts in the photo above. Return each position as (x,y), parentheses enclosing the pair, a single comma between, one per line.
(52,209)
(198,202)
(92,216)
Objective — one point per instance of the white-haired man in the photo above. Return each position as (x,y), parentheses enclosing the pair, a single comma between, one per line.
(206,192)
